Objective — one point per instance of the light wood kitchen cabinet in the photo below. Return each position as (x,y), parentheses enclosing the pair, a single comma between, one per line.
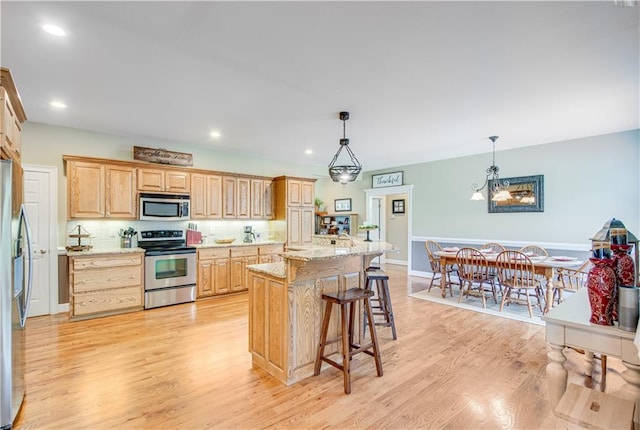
(294,204)
(85,190)
(241,257)
(213,272)
(257,199)
(300,226)
(228,197)
(206,196)
(96,190)
(120,192)
(243,199)
(267,199)
(106,284)
(11,118)
(163,180)
(269,253)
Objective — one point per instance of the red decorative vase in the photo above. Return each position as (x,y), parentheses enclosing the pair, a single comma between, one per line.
(625,271)
(601,285)
(625,267)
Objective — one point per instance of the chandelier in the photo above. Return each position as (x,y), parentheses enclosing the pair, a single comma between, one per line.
(498,188)
(344,172)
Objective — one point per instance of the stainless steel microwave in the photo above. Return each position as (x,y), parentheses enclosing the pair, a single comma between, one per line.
(164,207)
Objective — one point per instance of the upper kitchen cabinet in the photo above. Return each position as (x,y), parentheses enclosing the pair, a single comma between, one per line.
(206,196)
(164,180)
(236,197)
(294,203)
(11,118)
(99,190)
(267,199)
(300,192)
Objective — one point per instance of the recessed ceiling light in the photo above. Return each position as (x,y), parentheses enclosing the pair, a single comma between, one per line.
(57,105)
(215,134)
(308,151)
(54,29)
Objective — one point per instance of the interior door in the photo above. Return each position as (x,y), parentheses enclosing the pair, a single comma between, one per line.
(37,202)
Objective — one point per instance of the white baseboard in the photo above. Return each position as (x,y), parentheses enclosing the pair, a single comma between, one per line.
(63,307)
(397,262)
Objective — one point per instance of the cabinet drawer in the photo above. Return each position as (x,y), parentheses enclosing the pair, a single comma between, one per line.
(107,300)
(84,263)
(210,253)
(106,279)
(270,249)
(243,251)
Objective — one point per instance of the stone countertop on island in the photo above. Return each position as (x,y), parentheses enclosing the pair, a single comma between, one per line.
(99,251)
(236,243)
(316,252)
(277,270)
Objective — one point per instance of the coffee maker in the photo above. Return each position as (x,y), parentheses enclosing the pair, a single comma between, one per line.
(249,236)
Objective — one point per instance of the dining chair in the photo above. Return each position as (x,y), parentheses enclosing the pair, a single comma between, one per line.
(496,247)
(433,247)
(473,272)
(516,274)
(573,280)
(534,251)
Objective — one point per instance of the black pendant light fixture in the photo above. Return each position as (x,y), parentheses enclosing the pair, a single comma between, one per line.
(343,172)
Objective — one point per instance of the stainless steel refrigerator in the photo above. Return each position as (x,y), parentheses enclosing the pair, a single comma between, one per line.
(15,291)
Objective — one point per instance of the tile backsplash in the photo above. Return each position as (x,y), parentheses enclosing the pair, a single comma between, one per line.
(104,233)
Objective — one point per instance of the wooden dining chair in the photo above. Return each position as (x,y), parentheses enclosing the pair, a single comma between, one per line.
(473,272)
(534,251)
(573,280)
(496,247)
(434,261)
(516,274)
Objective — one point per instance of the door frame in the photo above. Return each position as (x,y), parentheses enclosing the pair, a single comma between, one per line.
(386,191)
(53,231)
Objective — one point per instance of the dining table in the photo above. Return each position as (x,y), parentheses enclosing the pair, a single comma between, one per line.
(545,266)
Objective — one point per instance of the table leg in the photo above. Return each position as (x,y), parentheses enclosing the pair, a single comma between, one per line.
(443,277)
(549,304)
(589,360)
(631,390)
(556,374)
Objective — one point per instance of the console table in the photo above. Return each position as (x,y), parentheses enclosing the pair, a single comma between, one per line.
(568,325)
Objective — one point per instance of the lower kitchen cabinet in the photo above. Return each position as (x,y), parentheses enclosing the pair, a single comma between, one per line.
(222,270)
(105,284)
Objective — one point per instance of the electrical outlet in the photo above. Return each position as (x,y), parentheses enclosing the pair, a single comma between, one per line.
(112,233)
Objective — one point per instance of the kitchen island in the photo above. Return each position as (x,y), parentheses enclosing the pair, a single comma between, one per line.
(285,303)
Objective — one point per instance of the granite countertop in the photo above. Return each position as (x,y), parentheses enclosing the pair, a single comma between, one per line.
(316,252)
(94,251)
(236,243)
(277,270)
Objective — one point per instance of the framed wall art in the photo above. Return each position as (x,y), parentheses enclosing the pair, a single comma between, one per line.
(342,205)
(397,206)
(527,195)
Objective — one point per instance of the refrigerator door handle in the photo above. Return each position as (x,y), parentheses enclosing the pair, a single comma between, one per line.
(27,296)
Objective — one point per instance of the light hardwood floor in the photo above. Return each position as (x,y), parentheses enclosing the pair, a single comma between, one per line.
(187,367)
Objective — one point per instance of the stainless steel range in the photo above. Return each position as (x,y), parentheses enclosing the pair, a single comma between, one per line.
(169,268)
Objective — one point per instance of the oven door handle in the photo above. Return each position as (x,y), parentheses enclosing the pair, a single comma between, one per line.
(171,252)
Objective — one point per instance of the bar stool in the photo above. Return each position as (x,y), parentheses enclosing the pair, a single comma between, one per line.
(349,348)
(381,279)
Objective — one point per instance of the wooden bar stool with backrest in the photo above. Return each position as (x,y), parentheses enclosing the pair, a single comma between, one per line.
(383,300)
(347,299)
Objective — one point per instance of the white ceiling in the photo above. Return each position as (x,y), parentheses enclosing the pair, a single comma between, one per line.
(422,80)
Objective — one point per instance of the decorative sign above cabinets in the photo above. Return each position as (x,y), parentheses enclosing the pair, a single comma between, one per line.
(162,156)
(387,180)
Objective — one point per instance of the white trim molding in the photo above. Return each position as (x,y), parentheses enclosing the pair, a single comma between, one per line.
(507,243)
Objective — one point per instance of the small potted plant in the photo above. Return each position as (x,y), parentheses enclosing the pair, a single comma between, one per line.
(367,227)
(318,202)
